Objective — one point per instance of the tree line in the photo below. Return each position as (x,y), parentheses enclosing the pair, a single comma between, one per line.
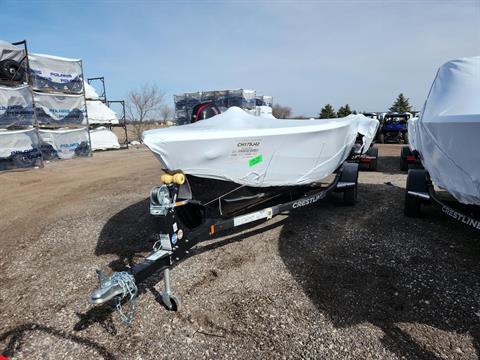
(147,104)
(400,105)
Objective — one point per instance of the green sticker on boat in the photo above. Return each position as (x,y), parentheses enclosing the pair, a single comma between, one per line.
(255,160)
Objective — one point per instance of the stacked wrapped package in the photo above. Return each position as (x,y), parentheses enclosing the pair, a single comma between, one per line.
(58,90)
(223,99)
(16,106)
(19,149)
(57,74)
(19,142)
(53,97)
(57,84)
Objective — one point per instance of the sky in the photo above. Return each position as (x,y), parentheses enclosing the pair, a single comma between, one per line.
(303,53)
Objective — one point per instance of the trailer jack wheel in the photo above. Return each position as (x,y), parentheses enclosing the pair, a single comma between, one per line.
(170,301)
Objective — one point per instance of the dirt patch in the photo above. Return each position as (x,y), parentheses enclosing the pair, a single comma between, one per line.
(328,281)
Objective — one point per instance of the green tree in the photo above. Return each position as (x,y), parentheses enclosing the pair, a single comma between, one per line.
(328,112)
(344,111)
(401,104)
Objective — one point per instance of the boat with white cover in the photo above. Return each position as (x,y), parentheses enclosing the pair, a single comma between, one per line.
(445,139)
(447,133)
(243,159)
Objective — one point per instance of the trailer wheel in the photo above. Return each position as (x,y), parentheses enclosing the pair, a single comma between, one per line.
(175,302)
(373,152)
(403,157)
(416,181)
(405,138)
(350,175)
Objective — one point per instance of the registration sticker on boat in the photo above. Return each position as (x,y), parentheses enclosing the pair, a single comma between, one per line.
(248,218)
(255,160)
(246,149)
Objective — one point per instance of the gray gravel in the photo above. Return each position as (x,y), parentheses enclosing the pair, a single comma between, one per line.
(325,282)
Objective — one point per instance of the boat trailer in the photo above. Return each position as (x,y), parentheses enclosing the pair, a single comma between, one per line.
(420,190)
(178,234)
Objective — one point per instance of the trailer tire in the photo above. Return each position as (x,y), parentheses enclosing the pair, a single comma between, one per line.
(405,138)
(373,152)
(403,157)
(416,181)
(176,303)
(350,174)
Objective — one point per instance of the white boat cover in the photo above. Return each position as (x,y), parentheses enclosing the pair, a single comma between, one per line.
(99,113)
(412,133)
(448,131)
(258,151)
(16,106)
(66,143)
(103,139)
(90,92)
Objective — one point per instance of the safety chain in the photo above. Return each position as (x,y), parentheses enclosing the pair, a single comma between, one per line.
(127,283)
(157,245)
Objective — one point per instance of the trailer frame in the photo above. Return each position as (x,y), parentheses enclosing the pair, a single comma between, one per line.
(420,190)
(175,239)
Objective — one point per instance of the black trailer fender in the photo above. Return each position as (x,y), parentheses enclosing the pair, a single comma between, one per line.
(416,192)
(348,183)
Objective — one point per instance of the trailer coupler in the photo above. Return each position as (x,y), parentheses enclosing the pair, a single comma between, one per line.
(120,286)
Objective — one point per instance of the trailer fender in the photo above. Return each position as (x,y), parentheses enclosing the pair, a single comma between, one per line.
(416,192)
(348,183)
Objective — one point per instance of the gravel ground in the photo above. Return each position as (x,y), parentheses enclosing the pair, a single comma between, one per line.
(327,281)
